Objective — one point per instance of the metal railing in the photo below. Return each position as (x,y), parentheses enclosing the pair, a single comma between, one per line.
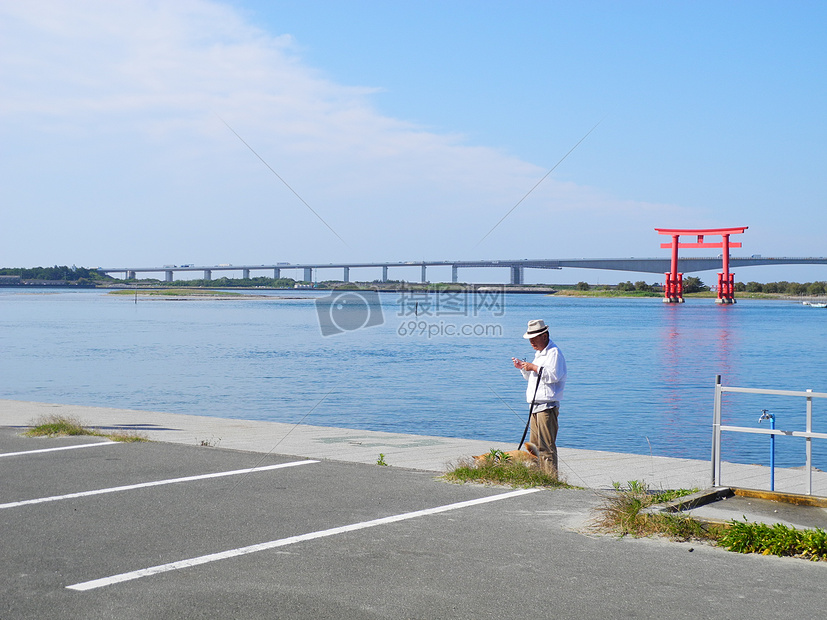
(807,433)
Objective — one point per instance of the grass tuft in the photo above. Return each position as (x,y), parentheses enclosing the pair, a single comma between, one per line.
(624,514)
(497,468)
(56,426)
(124,436)
(62,426)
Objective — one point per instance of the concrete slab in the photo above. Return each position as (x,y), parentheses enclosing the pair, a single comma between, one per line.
(761,511)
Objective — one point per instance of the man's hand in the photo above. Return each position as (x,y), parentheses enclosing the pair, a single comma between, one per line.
(523,365)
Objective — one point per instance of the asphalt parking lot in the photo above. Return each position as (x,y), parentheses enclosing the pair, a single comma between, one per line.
(173,531)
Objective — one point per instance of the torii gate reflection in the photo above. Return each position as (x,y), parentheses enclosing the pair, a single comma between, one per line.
(673,287)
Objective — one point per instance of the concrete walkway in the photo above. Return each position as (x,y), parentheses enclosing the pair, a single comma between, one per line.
(586,468)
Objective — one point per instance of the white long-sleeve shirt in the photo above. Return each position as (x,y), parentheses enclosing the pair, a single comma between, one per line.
(552,379)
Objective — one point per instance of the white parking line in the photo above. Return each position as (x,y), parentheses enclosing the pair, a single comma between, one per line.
(143,485)
(83,445)
(214,557)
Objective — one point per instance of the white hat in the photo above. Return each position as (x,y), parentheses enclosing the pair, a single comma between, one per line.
(535,328)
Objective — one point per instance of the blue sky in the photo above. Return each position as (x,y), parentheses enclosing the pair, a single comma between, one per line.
(410,129)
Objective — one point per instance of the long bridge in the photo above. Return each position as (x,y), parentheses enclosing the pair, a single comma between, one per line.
(516,267)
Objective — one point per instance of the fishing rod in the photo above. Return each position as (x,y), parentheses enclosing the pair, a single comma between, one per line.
(504,402)
(280,178)
(538,182)
(270,451)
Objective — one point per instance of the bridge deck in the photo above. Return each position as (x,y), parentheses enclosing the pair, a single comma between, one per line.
(642,265)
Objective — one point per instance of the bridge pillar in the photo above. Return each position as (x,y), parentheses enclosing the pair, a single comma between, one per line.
(276,273)
(423,278)
(384,273)
(245,273)
(346,275)
(130,275)
(308,274)
(454,274)
(516,274)
(168,275)
(208,274)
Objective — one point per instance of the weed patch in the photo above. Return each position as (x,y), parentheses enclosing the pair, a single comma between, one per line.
(124,436)
(625,514)
(497,468)
(63,426)
(56,426)
(778,539)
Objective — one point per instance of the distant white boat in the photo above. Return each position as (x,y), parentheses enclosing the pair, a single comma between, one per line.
(817,305)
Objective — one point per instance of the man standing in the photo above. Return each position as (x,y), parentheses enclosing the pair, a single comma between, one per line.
(546,379)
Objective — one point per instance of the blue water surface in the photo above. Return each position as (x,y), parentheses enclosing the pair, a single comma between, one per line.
(641,373)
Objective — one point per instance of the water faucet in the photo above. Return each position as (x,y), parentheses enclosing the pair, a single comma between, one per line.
(765,415)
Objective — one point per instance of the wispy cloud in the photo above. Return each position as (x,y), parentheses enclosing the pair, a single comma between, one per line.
(120,99)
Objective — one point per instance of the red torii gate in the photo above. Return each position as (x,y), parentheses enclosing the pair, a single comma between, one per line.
(673,288)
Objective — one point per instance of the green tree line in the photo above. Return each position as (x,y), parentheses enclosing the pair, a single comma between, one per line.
(691,284)
(58,272)
(783,287)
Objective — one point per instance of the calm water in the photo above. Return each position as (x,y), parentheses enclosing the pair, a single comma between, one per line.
(641,373)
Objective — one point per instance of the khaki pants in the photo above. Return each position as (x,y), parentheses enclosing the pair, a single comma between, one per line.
(544,435)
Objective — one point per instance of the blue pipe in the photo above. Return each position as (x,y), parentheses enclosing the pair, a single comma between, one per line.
(771,417)
(772,454)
